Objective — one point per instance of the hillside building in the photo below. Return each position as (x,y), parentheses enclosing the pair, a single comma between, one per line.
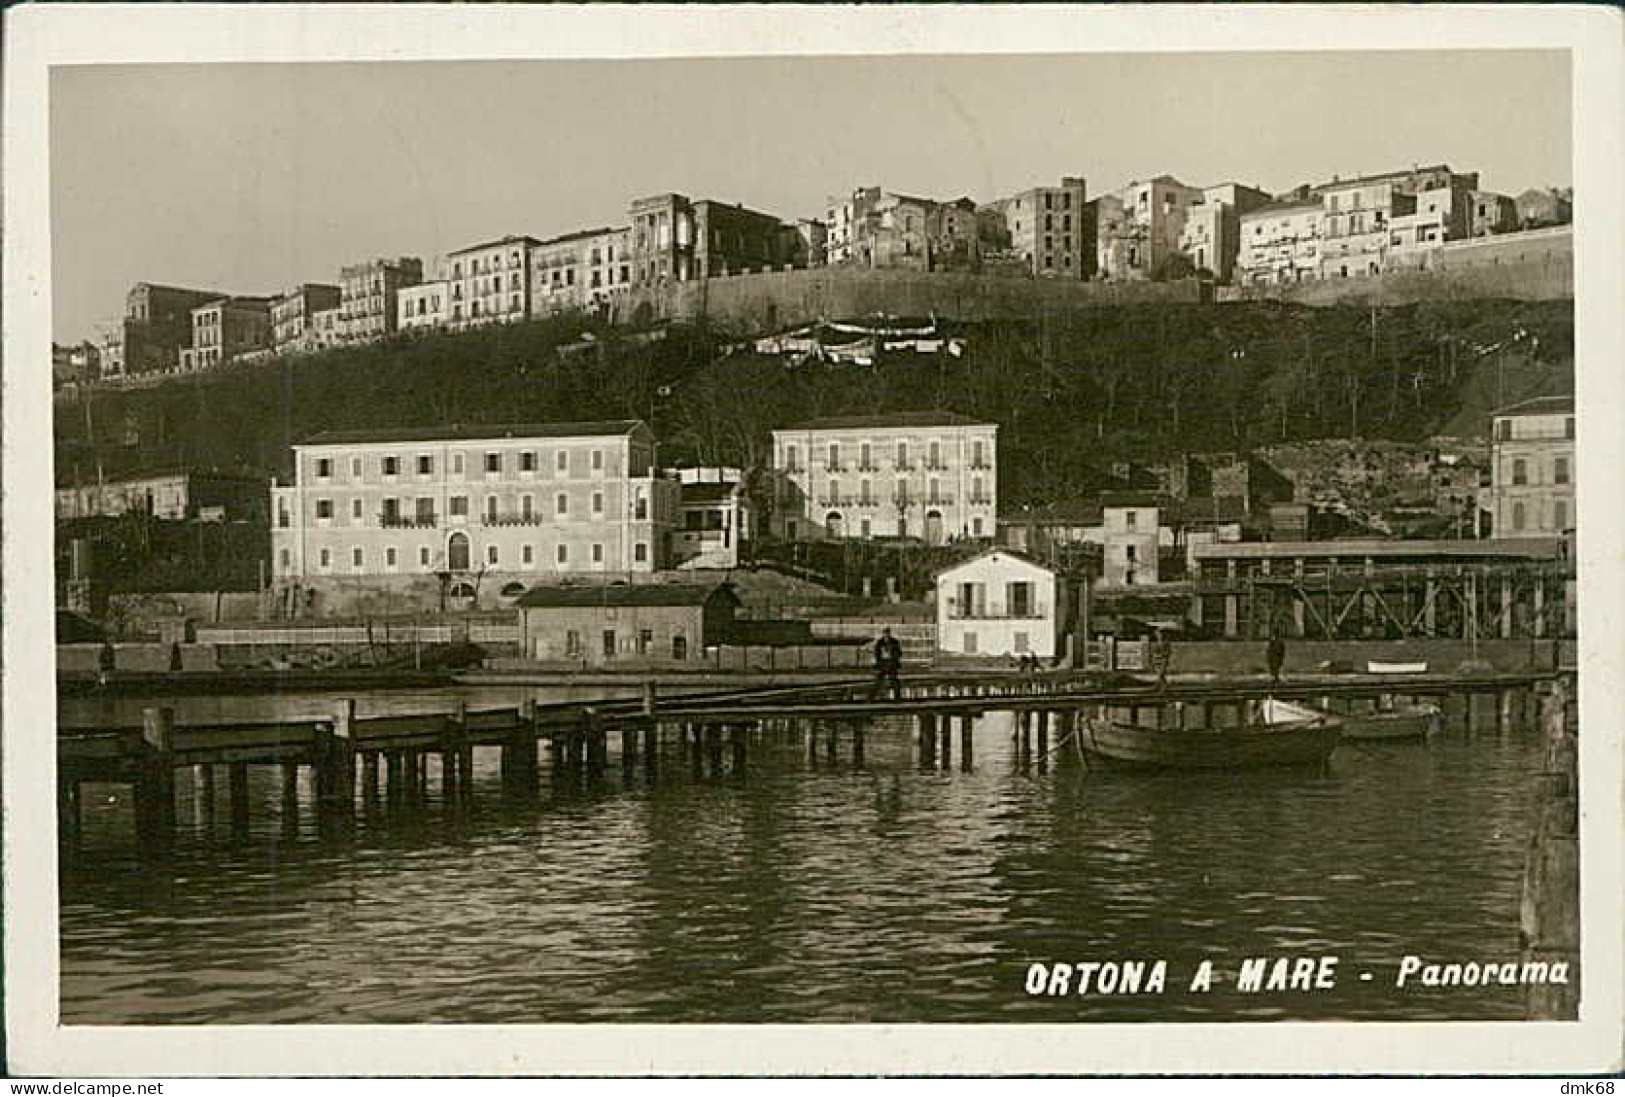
(293,315)
(1044,228)
(1544,208)
(930,475)
(169,495)
(369,296)
(1531,490)
(157,327)
(1211,238)
(580,271)
(227,329)
(1279,243)
(1139,226)
(717,519)
(489,283)
(422,307)
(875,229)
(676,239)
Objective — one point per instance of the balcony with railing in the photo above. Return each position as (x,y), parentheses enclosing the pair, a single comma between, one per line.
(981,500)
(939,500)
(408,521)
(1034,611)
(534,518)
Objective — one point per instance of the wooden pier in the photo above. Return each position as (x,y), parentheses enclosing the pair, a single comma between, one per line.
(386,760)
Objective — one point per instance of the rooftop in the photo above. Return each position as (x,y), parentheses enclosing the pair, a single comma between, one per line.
(1530,547)
(621,597)
(476,431)
(1561,404)
(1362,180)
(888,420)
(495,244)
(1270,208)
(582,234)
(983,555)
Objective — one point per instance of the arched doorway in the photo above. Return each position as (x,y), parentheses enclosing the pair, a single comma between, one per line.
(834,523)
(457,552)
(933,527)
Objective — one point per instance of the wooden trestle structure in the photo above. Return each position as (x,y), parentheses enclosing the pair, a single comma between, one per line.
(385,759)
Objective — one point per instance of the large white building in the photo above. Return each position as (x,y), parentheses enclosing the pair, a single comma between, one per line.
(1000,603)
(489,502)
(926,474)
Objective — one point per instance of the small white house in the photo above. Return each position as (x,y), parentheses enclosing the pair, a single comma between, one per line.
(1000,603)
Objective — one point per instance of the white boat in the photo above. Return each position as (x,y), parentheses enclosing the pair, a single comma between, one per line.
(1376,666)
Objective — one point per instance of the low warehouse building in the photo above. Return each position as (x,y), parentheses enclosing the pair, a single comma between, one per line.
(647,623)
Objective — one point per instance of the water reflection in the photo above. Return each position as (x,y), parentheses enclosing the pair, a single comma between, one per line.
(810,892)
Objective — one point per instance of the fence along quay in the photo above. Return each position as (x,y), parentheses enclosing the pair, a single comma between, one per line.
(391,754)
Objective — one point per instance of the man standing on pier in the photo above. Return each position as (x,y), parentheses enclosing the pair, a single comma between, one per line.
(1275,656)
(888,661)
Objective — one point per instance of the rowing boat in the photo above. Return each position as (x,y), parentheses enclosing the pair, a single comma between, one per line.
(1272,733)
(1399,720)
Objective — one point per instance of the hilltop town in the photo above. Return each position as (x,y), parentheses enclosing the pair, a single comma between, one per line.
(1153,231)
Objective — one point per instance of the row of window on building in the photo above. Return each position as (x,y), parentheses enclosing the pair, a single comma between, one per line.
(391,557)
(495,463)
(865,456)
(391,511)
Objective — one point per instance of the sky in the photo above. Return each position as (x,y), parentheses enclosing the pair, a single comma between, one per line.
(253,178)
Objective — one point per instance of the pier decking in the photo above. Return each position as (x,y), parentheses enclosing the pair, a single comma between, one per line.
(390,753)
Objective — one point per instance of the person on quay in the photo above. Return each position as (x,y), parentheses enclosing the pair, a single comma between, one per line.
(1162,657)
(1275,656)
(888,662)
(106,661)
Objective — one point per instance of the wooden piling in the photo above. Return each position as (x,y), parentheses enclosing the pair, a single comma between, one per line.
(237,779)
(70,815)
(155,779)
(713,748)
(738,736)
(945,739)
(204,775)
(597,743)
(651,747)
(369,776)
(858,731)
(832,736)
(334,762)
(290,794)
(928,738)
(965,723)
(395,775)
(1041,720)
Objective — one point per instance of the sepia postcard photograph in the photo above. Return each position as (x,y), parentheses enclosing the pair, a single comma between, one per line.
(757,540)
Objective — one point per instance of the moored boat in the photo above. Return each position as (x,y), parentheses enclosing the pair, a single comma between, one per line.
(1365,719)
(1268,733)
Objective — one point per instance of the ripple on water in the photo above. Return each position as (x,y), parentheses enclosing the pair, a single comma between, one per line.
(889,894)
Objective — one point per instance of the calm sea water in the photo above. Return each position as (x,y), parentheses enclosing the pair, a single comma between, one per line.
(808,892)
